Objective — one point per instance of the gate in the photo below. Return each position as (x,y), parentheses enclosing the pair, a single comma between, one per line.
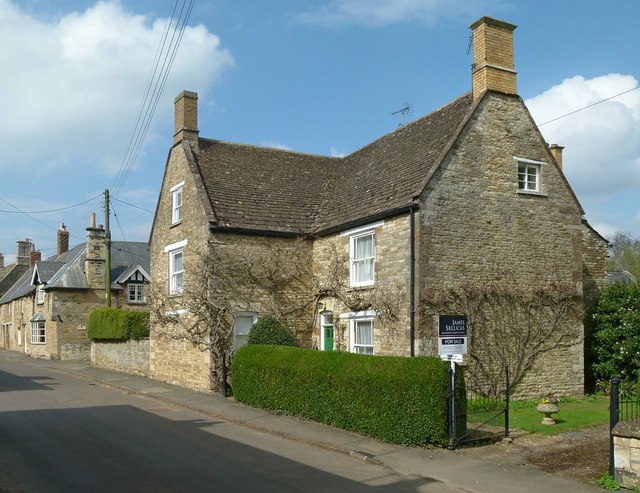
(477,413)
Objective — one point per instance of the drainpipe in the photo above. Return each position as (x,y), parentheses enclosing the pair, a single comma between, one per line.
(412,277)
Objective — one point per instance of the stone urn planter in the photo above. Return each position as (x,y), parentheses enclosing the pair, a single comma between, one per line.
(548,408)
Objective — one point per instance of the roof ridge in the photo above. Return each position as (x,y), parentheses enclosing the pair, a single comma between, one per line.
(273,149)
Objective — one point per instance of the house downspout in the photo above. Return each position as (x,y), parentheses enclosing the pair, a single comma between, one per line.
(412,280)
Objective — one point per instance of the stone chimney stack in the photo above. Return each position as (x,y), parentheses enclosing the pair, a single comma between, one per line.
(95,263)
(186,117)
(556,152)
(63,239)
(493,66)
(23,254)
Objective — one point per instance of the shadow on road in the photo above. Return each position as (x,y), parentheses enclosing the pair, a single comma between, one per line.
(124,449)
(10,382)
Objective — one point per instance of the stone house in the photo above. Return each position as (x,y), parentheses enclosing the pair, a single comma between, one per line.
(470,194)
(45,312)
(9,275)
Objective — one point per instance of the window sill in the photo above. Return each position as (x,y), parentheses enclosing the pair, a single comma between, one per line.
(177,223)
(531,192)
(364,287)
(138,302)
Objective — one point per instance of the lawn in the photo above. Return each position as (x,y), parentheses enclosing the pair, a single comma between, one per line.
(573,414)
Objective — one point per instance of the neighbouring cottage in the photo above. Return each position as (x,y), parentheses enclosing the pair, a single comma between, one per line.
(45,312)
(466,197)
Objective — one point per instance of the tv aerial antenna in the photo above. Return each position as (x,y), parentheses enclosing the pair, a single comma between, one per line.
(405,111)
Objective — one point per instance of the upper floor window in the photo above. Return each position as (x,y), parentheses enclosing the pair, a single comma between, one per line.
(176,271)
(241,327)
(528,175)
(135,293)
(40,293)
(176,266)
(362,255)
(176,203)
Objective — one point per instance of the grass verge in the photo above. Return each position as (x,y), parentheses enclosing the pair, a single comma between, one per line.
(574,414)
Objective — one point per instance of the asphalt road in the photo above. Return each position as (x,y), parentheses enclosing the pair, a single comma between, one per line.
(61,433)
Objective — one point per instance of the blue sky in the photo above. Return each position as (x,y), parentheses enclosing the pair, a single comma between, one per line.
(321,76)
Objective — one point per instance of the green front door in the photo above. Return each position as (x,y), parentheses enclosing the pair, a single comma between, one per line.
(328,337)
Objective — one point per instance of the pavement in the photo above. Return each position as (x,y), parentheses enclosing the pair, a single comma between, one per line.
(457,470)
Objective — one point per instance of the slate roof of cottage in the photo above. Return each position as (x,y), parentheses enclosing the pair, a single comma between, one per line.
(273,190)
(20,288)
(123,254)
(9,275)
(66,271)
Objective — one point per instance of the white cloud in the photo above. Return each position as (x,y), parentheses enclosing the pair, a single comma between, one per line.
(602,144)
(73,86)
(375,13)
(602,154)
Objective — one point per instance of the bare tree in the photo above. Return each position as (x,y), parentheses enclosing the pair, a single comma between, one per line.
(277,274)
(201,316)
(509,327)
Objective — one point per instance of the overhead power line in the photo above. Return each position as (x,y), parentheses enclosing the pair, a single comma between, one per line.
(590,105)
(18,211)
(133,205)
(165,57)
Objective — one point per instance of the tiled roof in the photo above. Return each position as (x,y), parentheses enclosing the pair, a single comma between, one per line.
(262,188)
(280,191)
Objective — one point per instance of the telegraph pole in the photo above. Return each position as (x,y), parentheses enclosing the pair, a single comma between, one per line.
(107,276)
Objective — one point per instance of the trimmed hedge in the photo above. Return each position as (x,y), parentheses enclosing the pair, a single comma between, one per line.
(117,324)
(268,330)
(393,398)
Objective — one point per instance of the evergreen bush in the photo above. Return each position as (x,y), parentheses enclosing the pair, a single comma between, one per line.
(268,330)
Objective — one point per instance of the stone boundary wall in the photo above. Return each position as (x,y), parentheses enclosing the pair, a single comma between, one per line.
(626,451)
(125,356)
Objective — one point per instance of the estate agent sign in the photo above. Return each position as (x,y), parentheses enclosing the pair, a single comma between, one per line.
(452,335)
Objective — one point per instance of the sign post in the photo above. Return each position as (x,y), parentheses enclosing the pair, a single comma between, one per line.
(452,344)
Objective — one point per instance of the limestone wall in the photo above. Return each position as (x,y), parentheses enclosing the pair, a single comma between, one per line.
(391,286)
(126,356)
(626,451)
(476,227)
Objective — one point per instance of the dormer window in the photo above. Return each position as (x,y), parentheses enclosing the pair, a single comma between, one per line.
(176,203)
(136,293)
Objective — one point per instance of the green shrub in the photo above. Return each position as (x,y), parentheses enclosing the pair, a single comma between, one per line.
(116,324)
(396,399)
(615,345)
(268,330)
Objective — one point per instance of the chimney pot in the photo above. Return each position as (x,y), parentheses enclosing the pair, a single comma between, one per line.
(92,220)
(1,261)
(493,61)
(186,117)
